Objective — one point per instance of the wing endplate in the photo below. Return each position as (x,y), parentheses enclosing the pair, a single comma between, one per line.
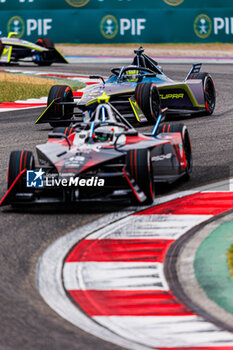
(43,118)
(137,110)
(194,71)
(6,54)
(57,56)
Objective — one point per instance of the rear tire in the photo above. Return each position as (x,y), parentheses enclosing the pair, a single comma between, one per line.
(44,57)
(65,93)
(18,161)
(209,92)
(182,129)
(66,131)
(45,42)
(139,167)
(1,47)
(148,99)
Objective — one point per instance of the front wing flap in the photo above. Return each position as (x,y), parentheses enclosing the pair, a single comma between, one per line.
(46,115)
(56,56)
(6,54)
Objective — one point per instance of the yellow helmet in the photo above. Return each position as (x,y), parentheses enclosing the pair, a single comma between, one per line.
(131,75)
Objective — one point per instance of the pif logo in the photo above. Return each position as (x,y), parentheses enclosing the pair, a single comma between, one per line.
(109,27)
(16,24)
(203,26)
(77,3)
(173,2)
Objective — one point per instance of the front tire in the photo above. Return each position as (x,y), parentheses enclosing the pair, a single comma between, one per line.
(18,161)
(66,131)
(139,167)
(209,92)
(148,99)
(65,94)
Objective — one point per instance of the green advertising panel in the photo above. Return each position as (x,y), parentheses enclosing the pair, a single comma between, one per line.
(121,26)
(110,4)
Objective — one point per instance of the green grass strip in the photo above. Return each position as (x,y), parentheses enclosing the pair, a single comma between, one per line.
(13,91)
(211,266)
(230,259)
(10,91)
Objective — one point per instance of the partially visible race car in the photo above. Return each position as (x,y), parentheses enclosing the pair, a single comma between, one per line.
(105,148)
(140,90)
(42,53)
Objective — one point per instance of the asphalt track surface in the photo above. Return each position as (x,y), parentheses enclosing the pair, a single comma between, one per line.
(26,322)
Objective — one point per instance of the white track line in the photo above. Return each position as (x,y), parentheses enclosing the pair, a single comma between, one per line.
(114,276)
(154,226)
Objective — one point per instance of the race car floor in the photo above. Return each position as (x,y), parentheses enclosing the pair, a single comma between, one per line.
(26,321)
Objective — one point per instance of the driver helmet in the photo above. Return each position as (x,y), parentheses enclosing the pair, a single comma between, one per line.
(107,133)
(104,134)
(131,75)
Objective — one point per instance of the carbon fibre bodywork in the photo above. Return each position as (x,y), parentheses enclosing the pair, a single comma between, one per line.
(188,96)
(14,50)
(177,96)
(129,162)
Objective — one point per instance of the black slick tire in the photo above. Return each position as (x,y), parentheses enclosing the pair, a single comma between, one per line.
(45,42)
(139,167)
(148,99)
(45,59)
(1,47)
(63,130)
(65,94)
(209,92)
(18,161)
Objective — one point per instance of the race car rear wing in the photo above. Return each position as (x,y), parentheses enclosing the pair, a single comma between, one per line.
(194,71)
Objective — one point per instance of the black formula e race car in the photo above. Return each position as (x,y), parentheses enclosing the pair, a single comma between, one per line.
(42,53)
(102,158)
